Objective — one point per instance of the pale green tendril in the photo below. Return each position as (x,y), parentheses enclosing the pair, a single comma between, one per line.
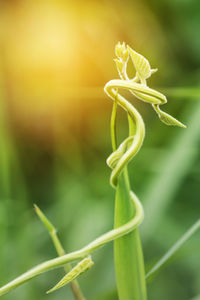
(117,160)
(138,87)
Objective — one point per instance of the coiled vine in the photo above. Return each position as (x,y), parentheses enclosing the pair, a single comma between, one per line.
(129,211)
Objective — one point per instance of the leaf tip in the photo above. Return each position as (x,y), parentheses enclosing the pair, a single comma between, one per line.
(36,208)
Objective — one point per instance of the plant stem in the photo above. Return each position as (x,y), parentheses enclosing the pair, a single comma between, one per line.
(76,290)
(128,256)
(129,264)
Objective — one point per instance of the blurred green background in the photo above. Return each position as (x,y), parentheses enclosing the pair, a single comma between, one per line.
(55,58)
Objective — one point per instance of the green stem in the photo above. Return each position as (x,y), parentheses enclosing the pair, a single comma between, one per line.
(76,290)
(113,126)
(128,255)
(129,264)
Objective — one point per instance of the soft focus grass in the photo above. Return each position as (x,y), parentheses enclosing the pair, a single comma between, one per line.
(56,158)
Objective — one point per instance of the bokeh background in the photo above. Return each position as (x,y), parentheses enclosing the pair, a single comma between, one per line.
(55,58)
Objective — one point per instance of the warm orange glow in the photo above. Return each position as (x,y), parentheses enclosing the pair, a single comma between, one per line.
(53,51)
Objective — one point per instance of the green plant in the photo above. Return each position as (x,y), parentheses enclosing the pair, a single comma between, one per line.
(129,265)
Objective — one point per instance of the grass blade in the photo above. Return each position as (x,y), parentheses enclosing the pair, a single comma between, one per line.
(58,246)
(173,249)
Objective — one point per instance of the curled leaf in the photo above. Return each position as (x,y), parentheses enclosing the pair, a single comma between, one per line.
(81,267)
(166,118)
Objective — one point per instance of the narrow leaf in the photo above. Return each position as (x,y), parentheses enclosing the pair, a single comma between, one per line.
(166,118)
(81,267)
(44,219)
(173,249)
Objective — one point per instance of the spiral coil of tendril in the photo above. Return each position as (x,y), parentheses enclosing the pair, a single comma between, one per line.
(138,87)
